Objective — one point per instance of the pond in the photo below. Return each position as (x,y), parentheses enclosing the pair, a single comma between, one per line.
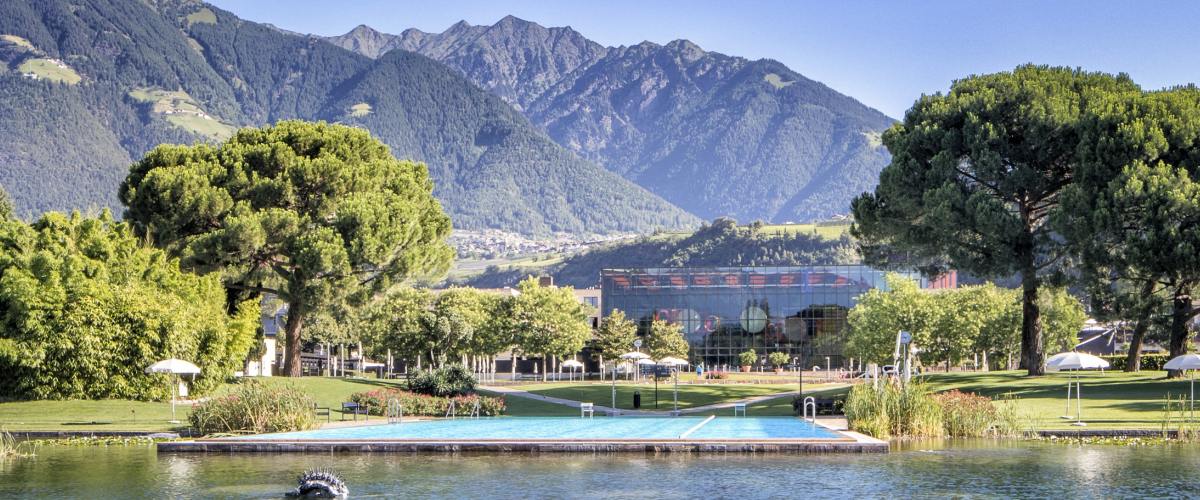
(970,469)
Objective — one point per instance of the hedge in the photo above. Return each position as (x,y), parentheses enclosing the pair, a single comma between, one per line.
(428,406)
(1149,361)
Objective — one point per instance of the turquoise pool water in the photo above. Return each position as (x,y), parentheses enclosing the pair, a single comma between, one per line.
(576,428)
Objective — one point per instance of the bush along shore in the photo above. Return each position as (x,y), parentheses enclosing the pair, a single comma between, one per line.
(899,410)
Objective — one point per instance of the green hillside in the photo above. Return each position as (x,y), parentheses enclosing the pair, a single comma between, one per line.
(722,243)
(182,71)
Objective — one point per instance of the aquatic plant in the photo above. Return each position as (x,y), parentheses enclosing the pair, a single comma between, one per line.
(893,409)
(1179,419)
(10,447)
(255,406)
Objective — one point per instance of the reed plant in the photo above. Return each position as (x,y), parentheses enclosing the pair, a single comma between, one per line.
(1179,419)
(256,407)
(912,410)
(10,447)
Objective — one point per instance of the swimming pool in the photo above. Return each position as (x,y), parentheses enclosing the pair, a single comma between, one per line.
(569,428)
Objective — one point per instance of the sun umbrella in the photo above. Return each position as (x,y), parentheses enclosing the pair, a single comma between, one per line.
(175,367)
(635,355)
(1075,361)
(1186,362)
(646,361)
(572,364)
(672,361)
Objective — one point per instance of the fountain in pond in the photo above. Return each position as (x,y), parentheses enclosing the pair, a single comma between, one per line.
(320,483)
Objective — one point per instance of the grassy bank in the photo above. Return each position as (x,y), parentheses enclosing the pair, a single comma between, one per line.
(689,395)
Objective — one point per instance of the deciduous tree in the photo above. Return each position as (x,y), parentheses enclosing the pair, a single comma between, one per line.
(666,339)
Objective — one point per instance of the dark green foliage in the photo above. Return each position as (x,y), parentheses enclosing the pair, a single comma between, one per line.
(85,308)
(1148,361)
(447,381)
(722,243)
(69,146)
(976,175)
(309,212)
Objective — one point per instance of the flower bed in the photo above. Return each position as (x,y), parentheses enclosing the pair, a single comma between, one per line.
(430,406)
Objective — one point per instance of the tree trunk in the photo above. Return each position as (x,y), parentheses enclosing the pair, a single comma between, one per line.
(1133,360)
(291,328)
(1032,357)
(1181,308)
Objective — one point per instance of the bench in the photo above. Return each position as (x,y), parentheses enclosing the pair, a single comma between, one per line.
(322,411)
(825,406)
(739,407)
(356,410)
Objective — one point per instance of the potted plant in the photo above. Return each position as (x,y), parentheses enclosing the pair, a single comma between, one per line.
(747,359)
(778,359)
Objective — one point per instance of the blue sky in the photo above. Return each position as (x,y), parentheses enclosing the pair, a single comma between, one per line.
(884,53)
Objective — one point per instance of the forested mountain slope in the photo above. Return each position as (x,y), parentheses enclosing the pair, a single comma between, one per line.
(722,243)
(85,88)
(714,134)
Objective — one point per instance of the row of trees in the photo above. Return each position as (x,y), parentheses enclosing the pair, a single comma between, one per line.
(1054,175)
(465,325)
(950,326)
(86,306)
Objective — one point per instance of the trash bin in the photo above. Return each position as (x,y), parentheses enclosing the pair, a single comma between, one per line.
(637,399)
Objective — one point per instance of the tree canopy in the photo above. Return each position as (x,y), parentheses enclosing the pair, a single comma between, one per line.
(666,339)
(547,320)
(85,308)
(1133,210)
(976,174)
(309,212)
(950,326)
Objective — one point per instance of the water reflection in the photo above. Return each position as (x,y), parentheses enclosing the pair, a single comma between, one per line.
(913,469)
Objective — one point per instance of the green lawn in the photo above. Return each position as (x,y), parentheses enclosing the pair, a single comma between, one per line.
(1110,400)
(110,415)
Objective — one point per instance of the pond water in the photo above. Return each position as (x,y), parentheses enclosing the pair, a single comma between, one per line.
(963,469)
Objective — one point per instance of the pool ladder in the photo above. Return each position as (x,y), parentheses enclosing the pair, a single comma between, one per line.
(452,410)
(395,411)
(809,402)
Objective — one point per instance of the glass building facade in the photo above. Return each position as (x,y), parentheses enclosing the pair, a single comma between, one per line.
(724,311)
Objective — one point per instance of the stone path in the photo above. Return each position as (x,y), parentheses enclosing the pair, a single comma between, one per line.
(606,409)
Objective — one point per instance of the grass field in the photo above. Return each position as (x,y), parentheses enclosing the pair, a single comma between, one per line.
(829,230)
(48,70)
(1112,400)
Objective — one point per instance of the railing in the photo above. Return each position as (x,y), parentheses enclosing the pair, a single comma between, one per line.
(475,410)
(395,411)
(809,402)
(451,410)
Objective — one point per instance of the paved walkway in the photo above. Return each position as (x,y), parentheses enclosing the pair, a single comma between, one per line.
(606,409)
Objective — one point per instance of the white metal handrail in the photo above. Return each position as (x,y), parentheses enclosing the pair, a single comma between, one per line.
(809,402)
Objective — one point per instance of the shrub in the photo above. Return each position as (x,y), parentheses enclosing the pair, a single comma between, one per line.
(748,358)
(1149,361)
(449,381)
(965,414)
(255,406)
(778,359)
(894,410)
(912,411)
(716,375)
(429,406)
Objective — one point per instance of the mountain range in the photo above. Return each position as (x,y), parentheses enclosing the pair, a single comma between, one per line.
(714,134)
(524,128)
(87,87)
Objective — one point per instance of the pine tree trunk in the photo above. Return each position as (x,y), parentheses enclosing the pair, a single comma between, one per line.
(1032,357)
(291,352)
(1181,308)
(1133,360)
